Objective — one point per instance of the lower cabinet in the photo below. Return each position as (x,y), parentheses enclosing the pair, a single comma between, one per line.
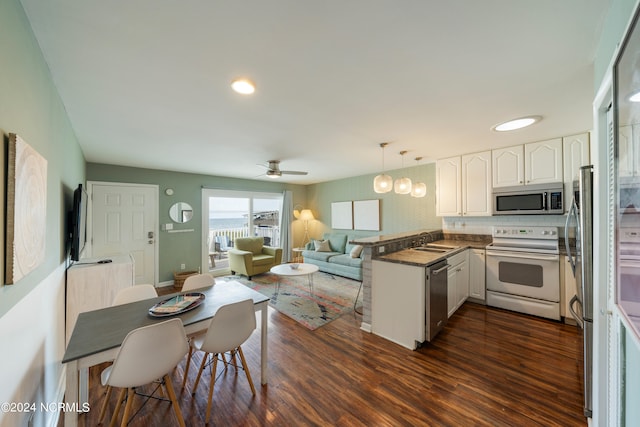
(458,281)
(477,277)
(398,303)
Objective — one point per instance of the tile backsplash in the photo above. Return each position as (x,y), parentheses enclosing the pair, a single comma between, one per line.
(484,224)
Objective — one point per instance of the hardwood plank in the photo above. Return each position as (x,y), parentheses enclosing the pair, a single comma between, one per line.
(489,367)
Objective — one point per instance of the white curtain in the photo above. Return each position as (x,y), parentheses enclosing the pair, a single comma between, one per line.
(286,237)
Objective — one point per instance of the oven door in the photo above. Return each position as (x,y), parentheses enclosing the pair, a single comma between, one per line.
(526,274)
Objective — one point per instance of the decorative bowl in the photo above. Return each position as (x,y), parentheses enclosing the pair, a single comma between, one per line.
(294,266)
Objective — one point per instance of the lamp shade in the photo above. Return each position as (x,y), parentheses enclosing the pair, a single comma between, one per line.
(306,215)
(402,186)
(382,183)
(419,189)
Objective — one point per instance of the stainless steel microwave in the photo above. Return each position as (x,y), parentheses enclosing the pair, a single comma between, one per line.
(537,199)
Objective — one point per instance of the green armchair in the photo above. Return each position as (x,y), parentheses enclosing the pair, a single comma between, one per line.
(249,256)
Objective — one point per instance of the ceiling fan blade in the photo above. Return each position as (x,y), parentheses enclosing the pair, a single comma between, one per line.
(294,172)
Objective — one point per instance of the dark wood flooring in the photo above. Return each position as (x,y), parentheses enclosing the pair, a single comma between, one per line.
(489,367)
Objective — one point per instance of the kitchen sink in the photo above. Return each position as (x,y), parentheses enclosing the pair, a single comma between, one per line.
(430,249)
(439,246)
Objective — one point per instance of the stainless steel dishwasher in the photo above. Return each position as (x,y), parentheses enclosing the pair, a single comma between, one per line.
(436,305)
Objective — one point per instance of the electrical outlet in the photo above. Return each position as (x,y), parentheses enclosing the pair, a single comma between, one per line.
(182,266)
(380,249)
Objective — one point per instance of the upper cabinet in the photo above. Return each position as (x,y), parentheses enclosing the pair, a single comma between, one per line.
(476,184)
(508,166)
(629,150)
(463,185)
(533,163)
(448,187)
(543,162)
(575,154)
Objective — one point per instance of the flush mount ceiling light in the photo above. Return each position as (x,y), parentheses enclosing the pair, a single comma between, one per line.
(402,185)
(383,182)
(634,97)
(243,86)
(516,123)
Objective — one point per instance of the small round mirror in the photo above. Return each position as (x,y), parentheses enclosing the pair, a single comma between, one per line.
(181,212)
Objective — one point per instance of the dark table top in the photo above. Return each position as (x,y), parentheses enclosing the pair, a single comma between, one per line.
(104,329)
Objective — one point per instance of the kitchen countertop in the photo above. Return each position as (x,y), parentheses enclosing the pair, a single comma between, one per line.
(423,259)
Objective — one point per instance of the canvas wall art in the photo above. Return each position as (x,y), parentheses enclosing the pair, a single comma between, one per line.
(26,209)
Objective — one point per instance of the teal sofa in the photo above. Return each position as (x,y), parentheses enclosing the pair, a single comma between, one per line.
(338,261)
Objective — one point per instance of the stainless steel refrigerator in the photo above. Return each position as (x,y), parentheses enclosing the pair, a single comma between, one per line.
(580,224)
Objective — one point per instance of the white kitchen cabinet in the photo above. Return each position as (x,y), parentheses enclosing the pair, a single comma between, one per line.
(543,162)
(91,286)
(477,277)
(568,289)
(458,281)
(463,185)
(476,184)
(448,187)
(508,166)
(629,151)
(533,163)
(575,154)
(398,302)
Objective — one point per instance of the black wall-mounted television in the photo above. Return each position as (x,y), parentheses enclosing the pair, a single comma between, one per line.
(78,222)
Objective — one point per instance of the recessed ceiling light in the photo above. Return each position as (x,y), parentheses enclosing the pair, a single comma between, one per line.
(635,97)
(243,86)
(516,123)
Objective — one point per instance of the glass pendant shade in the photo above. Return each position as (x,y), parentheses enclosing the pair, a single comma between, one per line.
(402,186)
(382,183)
(419,189)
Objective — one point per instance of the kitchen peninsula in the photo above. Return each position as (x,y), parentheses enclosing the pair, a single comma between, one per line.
(394,276)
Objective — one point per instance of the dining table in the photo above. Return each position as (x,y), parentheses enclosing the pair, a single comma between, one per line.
(98,334)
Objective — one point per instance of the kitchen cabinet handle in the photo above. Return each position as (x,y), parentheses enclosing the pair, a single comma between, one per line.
(440,270)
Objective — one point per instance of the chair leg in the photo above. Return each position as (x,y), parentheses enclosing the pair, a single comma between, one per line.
(105,403)
(127,407)
(204,362)
(186,368)
(211,385)
(174,401)
(246,369)
(116,411)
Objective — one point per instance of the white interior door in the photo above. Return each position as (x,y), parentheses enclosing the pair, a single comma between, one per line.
(123,219)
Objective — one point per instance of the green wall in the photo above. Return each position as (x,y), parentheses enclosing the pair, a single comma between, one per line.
(31,107)
(397,212)
(175,248)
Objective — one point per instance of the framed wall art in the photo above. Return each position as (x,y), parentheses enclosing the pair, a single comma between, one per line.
(26,209)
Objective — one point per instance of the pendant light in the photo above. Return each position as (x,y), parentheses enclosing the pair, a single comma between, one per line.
(383,182)
(402,185)
(419,189)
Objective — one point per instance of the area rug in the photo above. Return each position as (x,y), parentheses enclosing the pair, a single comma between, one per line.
(332,296)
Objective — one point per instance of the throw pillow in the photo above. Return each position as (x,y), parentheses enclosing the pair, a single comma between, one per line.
(355,251)
(322,245)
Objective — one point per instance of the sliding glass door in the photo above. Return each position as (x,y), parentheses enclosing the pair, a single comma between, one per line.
(228,215)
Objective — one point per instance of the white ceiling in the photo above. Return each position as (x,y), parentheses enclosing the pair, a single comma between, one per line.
(146,83)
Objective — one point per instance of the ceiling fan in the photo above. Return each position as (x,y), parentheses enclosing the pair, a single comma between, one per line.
(273,170)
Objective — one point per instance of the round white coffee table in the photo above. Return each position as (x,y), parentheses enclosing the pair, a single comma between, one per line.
(286,270)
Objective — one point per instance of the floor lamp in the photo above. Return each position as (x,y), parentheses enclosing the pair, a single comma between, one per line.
(306,215)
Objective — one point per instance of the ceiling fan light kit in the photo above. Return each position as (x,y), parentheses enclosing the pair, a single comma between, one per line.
(273,170)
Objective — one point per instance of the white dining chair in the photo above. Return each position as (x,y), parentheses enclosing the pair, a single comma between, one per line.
(147,354)
(198,281)
(195,282)
(230,327)
(134,293)
(125,296)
